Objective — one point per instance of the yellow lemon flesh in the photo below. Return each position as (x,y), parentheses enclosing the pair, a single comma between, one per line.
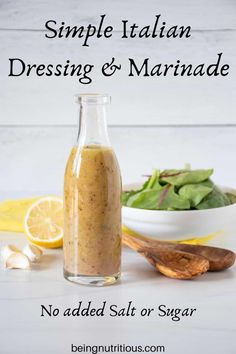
(44,222)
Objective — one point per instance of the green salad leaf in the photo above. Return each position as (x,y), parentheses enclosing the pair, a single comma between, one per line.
(125,196)
(215,199)
(194,193)
(178,190)
(161,199)
(146,199)
(169,200)
(231,197)
(182,177)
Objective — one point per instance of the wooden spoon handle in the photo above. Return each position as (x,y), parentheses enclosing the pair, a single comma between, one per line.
(132,242)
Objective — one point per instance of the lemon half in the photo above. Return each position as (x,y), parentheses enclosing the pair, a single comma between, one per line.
(44,222)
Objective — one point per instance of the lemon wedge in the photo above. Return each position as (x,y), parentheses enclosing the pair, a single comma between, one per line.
(44,222)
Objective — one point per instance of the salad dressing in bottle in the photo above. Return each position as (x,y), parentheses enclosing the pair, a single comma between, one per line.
(92,200)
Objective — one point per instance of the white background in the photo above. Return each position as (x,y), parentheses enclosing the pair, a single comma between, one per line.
(153,122)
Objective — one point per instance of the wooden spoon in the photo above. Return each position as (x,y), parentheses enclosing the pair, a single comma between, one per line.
(170,262)
(219,258)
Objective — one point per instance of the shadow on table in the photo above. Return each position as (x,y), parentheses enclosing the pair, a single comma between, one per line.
(47,261)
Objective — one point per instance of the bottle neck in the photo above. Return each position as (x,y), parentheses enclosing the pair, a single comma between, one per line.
(93,125)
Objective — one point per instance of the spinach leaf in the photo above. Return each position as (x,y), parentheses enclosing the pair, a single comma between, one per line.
(215,199)
(178,190)
(208,183)
(169,200)
(194,193)
(151,184)
(152,180)
(155,181)
(231,197)
(182,177)
(146,199)
(126,195)
(158,199)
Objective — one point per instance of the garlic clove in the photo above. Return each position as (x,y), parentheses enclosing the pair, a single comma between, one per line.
(8,250)
(17,260)
(33,252)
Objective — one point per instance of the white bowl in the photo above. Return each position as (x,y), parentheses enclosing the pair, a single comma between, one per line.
(178,225)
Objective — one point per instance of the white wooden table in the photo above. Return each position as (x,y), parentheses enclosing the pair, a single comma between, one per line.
(211,329)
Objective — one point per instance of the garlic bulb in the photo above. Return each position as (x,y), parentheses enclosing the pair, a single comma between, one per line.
(33,252)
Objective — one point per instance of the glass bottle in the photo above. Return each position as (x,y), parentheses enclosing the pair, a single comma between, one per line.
(92,200)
